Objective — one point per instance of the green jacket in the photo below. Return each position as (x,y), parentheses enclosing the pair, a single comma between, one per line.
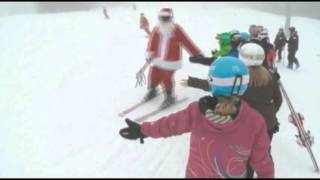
(225,44)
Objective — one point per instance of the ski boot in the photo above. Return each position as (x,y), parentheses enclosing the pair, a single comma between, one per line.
(152,93)
(297,65)
(169,100)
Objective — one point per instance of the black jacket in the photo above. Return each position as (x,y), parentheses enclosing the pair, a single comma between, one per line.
(280,40)
(293,42)
(266,100)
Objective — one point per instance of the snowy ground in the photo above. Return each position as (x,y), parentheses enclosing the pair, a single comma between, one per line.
(65,77)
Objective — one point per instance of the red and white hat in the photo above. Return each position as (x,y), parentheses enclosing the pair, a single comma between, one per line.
(165,12)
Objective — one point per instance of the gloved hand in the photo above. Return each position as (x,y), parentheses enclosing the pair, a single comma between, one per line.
(300,116)
(132,132)
(277,75)
(207,102)
(196,58)
(214,51)
(276,128)
(148,60)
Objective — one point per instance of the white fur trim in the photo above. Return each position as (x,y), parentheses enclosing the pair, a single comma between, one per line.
(229,81)
(164,13)
(167,65)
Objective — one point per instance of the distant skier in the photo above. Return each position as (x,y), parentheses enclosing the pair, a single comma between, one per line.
(280,42)
(226,133)
(270,52)
(105,13)
(144,24)
(164,52)
(254,32)
(293,45)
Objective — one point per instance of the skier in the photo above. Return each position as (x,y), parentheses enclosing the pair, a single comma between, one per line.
(226,133)
(144,24)
(254,32)
(293,45)
(229,43)
(280,42)
(263,93)
(105,13)
(269,50)
(164,52)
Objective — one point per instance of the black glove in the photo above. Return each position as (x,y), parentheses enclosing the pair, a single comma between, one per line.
(132,132)
(277,76)
(195,58)
(276,128)
(214,51)
(207,102)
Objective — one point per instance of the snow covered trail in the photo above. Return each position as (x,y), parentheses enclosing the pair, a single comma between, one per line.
(65,77)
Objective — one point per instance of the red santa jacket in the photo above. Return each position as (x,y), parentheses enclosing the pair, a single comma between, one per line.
(144,24)
(166,52)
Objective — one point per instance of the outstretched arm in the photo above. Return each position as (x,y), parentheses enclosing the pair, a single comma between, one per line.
(174,124)
(198,83)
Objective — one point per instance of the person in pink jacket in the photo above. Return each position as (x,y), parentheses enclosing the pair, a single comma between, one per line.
(226,133)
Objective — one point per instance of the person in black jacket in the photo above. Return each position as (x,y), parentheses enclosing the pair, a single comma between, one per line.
(280,42)
(293,46)
(263,93)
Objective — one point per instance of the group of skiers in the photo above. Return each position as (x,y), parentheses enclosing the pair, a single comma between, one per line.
(293,45)
(231,129)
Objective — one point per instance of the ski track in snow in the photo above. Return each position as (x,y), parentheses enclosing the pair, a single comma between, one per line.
(65,77)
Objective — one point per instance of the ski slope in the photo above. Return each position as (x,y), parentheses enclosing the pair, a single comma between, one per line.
(65,77)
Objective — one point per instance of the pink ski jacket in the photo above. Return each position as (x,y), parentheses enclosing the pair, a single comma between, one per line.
(219,151)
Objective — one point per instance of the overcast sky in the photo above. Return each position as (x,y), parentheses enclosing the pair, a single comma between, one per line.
(310,9)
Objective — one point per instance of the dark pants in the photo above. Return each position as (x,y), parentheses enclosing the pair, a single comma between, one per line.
(250,171)
(292,59)
(279,50)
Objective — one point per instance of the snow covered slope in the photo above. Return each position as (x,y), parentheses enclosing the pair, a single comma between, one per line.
(65,77)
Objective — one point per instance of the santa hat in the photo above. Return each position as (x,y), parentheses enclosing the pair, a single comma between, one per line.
(166,12)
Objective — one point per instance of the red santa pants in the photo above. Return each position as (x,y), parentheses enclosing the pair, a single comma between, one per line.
(157,76)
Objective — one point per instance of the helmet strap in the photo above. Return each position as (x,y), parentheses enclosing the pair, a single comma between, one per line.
(235,83)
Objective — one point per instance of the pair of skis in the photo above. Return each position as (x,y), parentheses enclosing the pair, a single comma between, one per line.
(151,113)
(304,137)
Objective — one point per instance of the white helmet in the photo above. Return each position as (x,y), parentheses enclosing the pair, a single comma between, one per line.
(251,54)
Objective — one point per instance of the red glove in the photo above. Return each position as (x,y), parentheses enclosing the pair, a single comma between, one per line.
(300,116)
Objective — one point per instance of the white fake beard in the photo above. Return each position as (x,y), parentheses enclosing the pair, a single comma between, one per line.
(166,29)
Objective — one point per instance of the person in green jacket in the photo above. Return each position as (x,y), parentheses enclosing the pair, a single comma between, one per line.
(224,43)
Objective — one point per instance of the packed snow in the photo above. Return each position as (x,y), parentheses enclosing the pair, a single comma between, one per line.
(64,78)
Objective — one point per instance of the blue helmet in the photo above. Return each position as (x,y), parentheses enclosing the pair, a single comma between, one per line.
(245,36)
(228,76)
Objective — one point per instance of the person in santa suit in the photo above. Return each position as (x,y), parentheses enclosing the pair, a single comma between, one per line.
(164,52)
(144,24)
